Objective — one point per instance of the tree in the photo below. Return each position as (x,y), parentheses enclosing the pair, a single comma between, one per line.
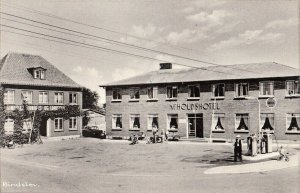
(89,99)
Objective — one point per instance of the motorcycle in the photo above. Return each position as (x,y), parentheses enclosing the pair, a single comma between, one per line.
(134,139)
(158,139)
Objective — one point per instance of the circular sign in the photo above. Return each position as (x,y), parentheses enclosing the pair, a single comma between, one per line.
(271,102)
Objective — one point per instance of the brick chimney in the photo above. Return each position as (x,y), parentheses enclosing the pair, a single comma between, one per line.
(164,66)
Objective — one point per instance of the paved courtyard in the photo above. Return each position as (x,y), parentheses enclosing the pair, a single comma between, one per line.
(93,165)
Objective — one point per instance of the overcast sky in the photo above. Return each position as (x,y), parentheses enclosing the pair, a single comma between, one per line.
(222,32)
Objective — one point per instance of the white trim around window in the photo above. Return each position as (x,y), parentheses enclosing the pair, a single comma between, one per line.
(152,122)
(117,122)
(59,98)
(9,126)
(73,98)
(241,123)
(9,97)
(193,92)
(135,122)
(292,88)
(218,123)
(241,90)
(58,124)
(152,93)
(116,95)
(172,92)
(39,74)
(293,123)
(73,124)
(43,97)
(134,94)
(172,121)
(266,89)
(218,91)
(267,122)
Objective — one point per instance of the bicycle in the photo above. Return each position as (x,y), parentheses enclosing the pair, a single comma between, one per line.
(283,155)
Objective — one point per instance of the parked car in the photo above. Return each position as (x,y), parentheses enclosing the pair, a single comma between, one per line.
(93,131)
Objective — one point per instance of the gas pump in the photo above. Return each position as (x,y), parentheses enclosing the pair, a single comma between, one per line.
(263,145)
(269,143)
(252,145)
(249,145)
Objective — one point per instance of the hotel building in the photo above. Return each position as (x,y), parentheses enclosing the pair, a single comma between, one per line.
(219,102)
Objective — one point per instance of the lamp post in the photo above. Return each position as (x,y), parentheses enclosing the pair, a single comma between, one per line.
(259,128)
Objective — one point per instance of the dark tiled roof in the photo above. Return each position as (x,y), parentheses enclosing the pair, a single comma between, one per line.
(14,70)
(230,72)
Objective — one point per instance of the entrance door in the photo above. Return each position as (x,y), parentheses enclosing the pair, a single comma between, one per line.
(43,127)
(195,125)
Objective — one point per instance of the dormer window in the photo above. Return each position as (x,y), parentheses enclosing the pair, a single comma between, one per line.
(39,74)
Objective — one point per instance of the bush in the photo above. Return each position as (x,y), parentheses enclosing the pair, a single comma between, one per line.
(17,138)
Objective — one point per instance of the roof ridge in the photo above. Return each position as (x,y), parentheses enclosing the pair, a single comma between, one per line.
(286,65)
(251,70)
(22,53)
(269,62)
(143,74)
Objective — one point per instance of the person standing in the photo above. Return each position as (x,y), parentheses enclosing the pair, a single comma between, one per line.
(238,148)
(154,131)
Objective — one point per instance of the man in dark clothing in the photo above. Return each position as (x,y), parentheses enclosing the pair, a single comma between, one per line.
(238,148)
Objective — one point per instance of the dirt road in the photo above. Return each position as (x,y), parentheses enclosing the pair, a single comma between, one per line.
(90,165)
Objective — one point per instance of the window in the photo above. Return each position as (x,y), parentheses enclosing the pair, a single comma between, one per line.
(9,125)
(9,97)
(116,94)
(42,74)
(73,98)
(172,92)
(135,121)
(39,74)
(117,122)
(292,88)
(218,120)
(58,124)
(241,89)
(27,124)
(27,96)
(173,121)
(152,121)
(43,97)
(292,122)
(266,88)
(134,94)
(59,97)
(194,91)
(242,122)
(72,123)
(218,90)
(267,121)
(152,92)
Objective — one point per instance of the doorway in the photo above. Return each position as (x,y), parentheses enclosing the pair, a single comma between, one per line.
(195,125)
(43,127)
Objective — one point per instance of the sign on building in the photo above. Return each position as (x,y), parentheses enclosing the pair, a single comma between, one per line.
(271,102)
